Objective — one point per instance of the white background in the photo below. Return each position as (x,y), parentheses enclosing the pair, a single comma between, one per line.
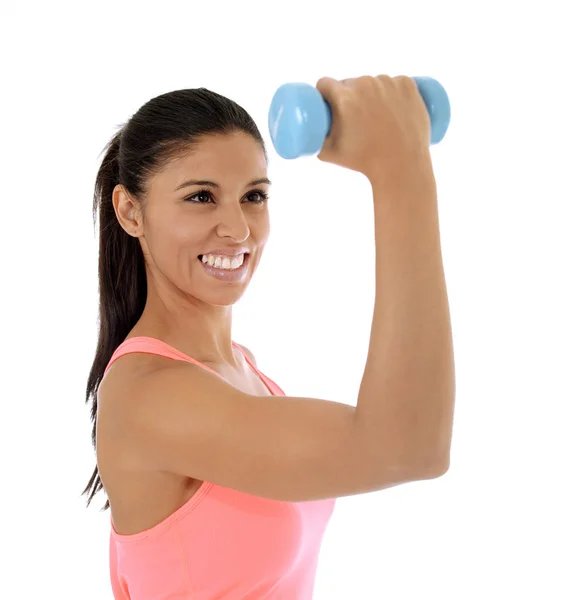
(504,521)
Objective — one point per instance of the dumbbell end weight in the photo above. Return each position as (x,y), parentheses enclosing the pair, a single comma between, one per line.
(299,118)
(438,106)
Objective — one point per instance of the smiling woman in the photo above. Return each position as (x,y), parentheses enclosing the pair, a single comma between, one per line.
(182,195)
(194,442)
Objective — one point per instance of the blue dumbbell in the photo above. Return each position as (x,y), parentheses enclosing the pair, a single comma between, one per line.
(300,118)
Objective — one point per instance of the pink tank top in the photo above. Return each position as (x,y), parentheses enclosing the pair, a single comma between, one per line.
(222,543)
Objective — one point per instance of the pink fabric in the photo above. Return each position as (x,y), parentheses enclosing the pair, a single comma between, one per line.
(222,543)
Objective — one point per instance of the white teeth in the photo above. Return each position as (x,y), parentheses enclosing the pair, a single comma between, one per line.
(223,262)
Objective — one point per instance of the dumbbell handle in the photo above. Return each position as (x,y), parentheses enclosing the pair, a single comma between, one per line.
(300,119)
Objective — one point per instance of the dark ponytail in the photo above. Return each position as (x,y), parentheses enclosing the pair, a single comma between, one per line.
(163,129)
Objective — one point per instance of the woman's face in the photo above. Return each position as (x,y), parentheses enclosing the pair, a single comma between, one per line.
(183,221)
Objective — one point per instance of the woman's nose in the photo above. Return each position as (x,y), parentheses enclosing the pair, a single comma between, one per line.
(233,223)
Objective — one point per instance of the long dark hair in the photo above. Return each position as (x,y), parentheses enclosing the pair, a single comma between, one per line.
(163,129)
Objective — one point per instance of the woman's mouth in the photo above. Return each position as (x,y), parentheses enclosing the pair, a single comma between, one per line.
(236,270)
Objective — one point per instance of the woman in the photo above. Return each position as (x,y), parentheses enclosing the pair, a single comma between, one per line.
(220,485)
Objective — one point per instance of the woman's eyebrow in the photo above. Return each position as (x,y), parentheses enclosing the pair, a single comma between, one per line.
(216,185)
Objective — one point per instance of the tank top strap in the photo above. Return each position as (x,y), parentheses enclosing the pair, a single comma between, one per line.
(149,345)
(274,389)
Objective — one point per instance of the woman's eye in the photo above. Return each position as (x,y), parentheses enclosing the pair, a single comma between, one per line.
(257,197)
(198,195)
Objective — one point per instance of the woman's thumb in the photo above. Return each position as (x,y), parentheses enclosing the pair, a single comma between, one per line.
(327,87)
(330,89)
